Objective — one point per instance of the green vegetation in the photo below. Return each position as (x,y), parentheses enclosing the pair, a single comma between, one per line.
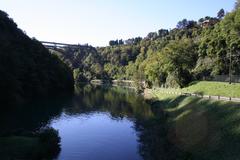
(44,144)
(85,62)
(193,51)
(205,129)
(27,69)
(208,88)
(214,88)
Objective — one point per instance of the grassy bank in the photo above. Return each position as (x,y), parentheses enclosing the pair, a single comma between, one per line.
(207,129)
(209,88)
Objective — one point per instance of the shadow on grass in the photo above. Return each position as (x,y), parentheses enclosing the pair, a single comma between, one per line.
(193,83)
(207,129)
(169,102)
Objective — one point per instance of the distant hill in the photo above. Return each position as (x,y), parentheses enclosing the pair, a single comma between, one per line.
(27,69)
(86,62)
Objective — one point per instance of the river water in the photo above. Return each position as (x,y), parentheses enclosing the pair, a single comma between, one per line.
(99,123)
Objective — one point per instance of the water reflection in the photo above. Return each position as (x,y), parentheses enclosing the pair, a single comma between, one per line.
(33,116)
(148,122)
(99,123)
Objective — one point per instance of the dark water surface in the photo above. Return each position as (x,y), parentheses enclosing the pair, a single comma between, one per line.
(98,123)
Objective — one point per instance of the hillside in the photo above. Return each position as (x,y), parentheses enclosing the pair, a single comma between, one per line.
(192,51)
(85,61)
(27,69)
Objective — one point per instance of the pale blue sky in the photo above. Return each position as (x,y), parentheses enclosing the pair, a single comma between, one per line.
(98,21)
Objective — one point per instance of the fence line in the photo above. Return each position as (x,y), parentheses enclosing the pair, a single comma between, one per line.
(222,98)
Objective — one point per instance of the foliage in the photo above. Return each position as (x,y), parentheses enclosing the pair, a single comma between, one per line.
(84,60)
(194,50)
(27,69)
(223,43)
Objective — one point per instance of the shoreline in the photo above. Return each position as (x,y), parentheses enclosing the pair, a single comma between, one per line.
(201,93)
(150,93)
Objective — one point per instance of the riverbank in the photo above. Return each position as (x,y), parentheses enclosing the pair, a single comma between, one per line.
(204,128)
(223,89)
(203,89)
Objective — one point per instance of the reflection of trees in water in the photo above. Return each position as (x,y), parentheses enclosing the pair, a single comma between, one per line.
(118,102)
(22,135)
(150,121)
(33,116)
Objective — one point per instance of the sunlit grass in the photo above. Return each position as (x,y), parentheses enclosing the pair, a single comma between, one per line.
(207,129)
(214,88)
(208,88)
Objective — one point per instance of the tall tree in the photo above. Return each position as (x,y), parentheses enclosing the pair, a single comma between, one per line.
(221,14)
(182,24)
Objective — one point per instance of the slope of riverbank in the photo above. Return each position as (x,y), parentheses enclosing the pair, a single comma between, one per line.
(204,128)
(209,88)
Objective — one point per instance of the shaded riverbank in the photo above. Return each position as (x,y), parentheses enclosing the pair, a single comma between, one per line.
(206,129)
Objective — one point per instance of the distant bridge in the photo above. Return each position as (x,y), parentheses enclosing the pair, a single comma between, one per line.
(54,45)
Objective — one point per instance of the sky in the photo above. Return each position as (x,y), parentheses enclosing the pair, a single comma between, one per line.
(97,21)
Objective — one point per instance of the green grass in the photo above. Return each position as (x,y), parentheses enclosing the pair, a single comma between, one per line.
(210,88)
(208,129)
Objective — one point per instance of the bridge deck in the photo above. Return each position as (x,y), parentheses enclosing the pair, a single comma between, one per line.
(56,43)
(52,45)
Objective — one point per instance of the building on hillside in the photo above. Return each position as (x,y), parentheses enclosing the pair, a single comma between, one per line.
(209,23)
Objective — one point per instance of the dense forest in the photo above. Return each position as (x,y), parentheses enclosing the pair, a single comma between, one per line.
(194,50)
(27,68)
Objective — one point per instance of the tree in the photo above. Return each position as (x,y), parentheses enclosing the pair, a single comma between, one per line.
(201,20)
(179,58)
(182,24)
(137,40)
(221,43)
(162,33)
(221,14)
(120,42)
(112,43)
(152,35)
(27,68)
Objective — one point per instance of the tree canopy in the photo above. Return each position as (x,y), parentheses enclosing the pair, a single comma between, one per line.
(194,50)
(27,69)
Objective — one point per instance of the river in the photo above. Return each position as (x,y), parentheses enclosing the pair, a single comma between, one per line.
(99,123)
